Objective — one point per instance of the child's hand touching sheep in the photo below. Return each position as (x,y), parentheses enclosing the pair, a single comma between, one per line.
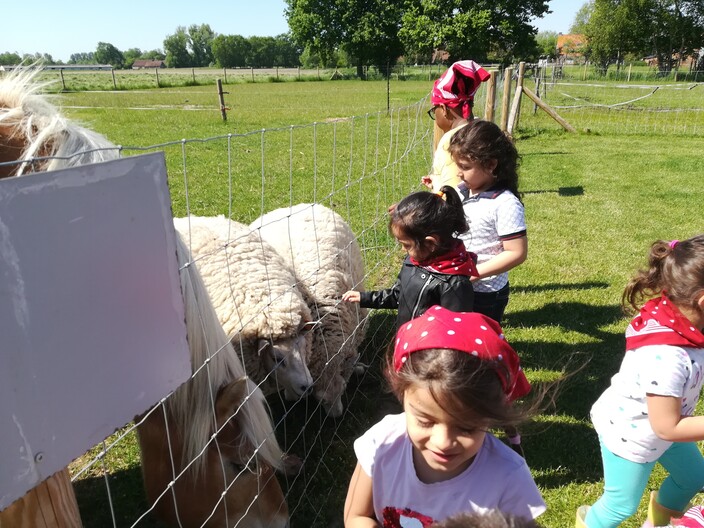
(351,296)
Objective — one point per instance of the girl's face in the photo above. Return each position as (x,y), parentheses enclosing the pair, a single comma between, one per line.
(416,252)
(477,176)
(442,448)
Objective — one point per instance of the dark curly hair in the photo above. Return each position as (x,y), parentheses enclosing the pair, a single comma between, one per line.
(484,141)
(422,214)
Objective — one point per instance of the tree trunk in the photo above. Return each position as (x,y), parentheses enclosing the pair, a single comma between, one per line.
(360,69)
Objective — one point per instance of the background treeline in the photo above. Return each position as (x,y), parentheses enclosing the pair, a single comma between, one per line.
(363,33)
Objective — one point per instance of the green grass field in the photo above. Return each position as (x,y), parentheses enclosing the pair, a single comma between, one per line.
(594,202)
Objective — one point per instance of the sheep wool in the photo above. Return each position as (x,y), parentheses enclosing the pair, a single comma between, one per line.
(256,300)
(324,255)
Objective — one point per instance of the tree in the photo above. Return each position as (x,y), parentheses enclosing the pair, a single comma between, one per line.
(106,53)
(262,52)
(131,55)
(200,39)
(10,59)
(547,43)
(669,29)
(368,30)
(81,58)
(286,53)
(230,51)
(472,29)
(581,18)
(176,47)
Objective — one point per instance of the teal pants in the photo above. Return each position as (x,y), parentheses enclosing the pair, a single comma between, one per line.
(625,481)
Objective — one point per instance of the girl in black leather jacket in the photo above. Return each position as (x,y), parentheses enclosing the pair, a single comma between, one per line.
(437,268)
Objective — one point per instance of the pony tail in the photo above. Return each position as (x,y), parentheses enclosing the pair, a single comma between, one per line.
(457,220)
(647,283)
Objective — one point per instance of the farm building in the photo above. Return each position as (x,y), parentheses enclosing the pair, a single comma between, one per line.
(570,47)
(141,63)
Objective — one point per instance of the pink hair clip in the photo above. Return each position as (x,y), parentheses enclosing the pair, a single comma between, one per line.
(673,243)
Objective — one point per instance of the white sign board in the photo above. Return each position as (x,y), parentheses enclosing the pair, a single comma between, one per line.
(92,328)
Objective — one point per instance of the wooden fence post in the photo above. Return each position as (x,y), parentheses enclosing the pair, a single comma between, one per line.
(193,72)
(51,504)
(490,96)
(513,116)
(223,109)
(156,71)
(63,84)
(252,73)
(114,84)
(519,87)
(224,73)
(506,99)
(549,110)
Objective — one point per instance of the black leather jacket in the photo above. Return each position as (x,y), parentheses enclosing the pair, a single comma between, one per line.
(417,289)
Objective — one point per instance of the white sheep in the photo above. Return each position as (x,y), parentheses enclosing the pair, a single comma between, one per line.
(256,300)
(324,255)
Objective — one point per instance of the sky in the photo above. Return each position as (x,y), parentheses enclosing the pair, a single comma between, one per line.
(63,28)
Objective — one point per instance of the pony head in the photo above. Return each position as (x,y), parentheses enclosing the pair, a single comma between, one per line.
(35,136)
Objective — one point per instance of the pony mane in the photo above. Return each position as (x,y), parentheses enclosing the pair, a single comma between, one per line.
(214,364)
(45,132)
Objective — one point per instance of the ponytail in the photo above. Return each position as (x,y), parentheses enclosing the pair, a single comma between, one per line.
(674,268)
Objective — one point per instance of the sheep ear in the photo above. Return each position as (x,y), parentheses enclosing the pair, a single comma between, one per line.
(262,346)
(307,327)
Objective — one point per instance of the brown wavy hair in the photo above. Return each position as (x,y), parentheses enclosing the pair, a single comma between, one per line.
(676,269)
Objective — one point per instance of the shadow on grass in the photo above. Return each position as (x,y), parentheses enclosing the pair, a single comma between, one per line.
(577,190)
(556,286)
(127,499)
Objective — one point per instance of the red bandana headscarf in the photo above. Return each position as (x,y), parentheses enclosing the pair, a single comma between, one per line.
(468,332)
(458,261)
(661,323)
(457,86)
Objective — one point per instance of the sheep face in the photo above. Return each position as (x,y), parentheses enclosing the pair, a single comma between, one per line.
(286,359)
(331,396)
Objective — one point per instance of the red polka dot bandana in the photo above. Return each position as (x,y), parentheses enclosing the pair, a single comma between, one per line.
(458,85)
(661,323)
(468,332)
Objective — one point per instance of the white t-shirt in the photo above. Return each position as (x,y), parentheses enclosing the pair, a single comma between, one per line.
(498,478)
(493,217)
(620,415)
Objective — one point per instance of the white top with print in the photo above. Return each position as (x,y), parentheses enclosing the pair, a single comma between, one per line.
(498,478)
(493,217)
(620,415)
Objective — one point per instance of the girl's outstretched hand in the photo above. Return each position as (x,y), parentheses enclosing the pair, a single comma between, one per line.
(351,296)
(427,181)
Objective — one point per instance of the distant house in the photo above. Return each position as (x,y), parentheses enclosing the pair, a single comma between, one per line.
(141,63)
(570,47)
(440,57)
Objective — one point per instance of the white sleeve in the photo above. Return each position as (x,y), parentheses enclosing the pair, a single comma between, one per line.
(367,445)
(510,215)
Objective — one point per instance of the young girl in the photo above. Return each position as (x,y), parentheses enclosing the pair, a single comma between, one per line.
(456,377)
(646,414)
(437,268)
(452,98)
(487,162)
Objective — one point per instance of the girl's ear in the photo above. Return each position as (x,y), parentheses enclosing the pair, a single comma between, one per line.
(432,241)
(700,301)
(492,164)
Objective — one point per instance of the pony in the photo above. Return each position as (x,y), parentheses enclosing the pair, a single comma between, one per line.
(35,136)
(208,450)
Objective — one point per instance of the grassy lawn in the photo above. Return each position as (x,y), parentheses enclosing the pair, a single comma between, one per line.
(594,202)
